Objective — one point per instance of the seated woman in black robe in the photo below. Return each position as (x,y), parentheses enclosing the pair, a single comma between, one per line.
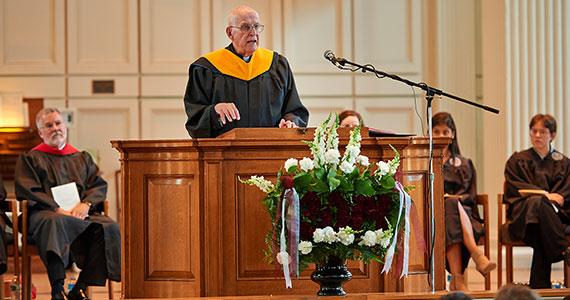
(537,189)
(463,226)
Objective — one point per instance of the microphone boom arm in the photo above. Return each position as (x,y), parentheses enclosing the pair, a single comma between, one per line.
(428,89)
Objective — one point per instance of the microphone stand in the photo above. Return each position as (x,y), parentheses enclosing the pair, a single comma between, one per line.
(430,92)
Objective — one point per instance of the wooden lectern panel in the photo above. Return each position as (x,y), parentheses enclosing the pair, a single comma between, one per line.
(165,221)
(190,228)
(161,231)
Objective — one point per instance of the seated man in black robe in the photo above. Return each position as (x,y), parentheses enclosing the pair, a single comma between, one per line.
(241,85)
(537,188)
(78,234)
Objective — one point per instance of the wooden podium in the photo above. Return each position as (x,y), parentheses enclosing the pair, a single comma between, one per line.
(190,228)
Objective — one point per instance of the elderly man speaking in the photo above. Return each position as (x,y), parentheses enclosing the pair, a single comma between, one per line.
(242,85)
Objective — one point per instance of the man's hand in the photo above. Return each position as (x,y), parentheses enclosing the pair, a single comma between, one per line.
(62,211)
(555,197)
(287,124)
(227,112)
(80,211)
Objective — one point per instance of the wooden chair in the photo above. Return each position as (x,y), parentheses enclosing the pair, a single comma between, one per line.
(483,201)
(29,250)
(13,245)
(505,241)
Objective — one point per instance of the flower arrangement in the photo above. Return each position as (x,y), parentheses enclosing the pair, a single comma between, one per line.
(334,206)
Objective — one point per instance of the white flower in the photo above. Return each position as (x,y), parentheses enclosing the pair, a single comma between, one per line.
(318,235)
(283,258)
(383,168)
(353,150)
(368,239)
(326,235)
(394,163)
(329,235)
(332,156)
(346,167)
(265,185)
(363,160)
(290,163)
(383,237)
(307,164)
(305,247)
(346,236)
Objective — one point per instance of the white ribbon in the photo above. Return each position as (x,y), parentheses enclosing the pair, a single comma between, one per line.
(406,260)
(405,203)
(283,257)
(293,225)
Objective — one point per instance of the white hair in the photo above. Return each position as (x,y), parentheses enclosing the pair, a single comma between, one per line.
(42,113)
(236,12)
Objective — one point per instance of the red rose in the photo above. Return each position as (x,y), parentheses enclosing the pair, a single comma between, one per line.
(384,206)
(287,182)
(342,218)
(306,233)
(356,222)
(398,175)
(326,218)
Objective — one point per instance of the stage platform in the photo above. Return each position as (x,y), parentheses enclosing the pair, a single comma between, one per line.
(553,294)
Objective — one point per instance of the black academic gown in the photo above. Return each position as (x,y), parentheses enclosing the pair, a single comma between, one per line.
(36,173)
(459,178)
(533,219)
(262,100)
(3,241)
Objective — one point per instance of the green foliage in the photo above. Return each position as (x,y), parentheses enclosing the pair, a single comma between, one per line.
(327,173)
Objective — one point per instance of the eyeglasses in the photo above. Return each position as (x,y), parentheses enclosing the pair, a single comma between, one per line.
(248,27)
(542,132)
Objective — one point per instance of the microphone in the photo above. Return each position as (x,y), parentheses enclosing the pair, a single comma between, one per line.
(329,55)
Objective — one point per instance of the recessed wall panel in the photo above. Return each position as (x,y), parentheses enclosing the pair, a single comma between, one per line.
(163,119)
(172,32)
(311,27)
(102,36)
(396,114)
(387,33)
(31,37)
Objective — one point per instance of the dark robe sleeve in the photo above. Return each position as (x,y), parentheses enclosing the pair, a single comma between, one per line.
(517,176)
(28,185)
(293,109)
(95,187)
(461,180)
(202,118)
(562,180)
(470,184)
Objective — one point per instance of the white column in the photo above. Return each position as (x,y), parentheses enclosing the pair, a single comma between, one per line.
(537,54)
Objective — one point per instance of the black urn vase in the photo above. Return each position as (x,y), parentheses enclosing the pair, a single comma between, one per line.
(331,276)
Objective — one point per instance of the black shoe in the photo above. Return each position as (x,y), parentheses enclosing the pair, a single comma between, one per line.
(58,296)
(78,294)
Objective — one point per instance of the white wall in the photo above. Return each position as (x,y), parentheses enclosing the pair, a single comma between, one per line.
(54,49)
